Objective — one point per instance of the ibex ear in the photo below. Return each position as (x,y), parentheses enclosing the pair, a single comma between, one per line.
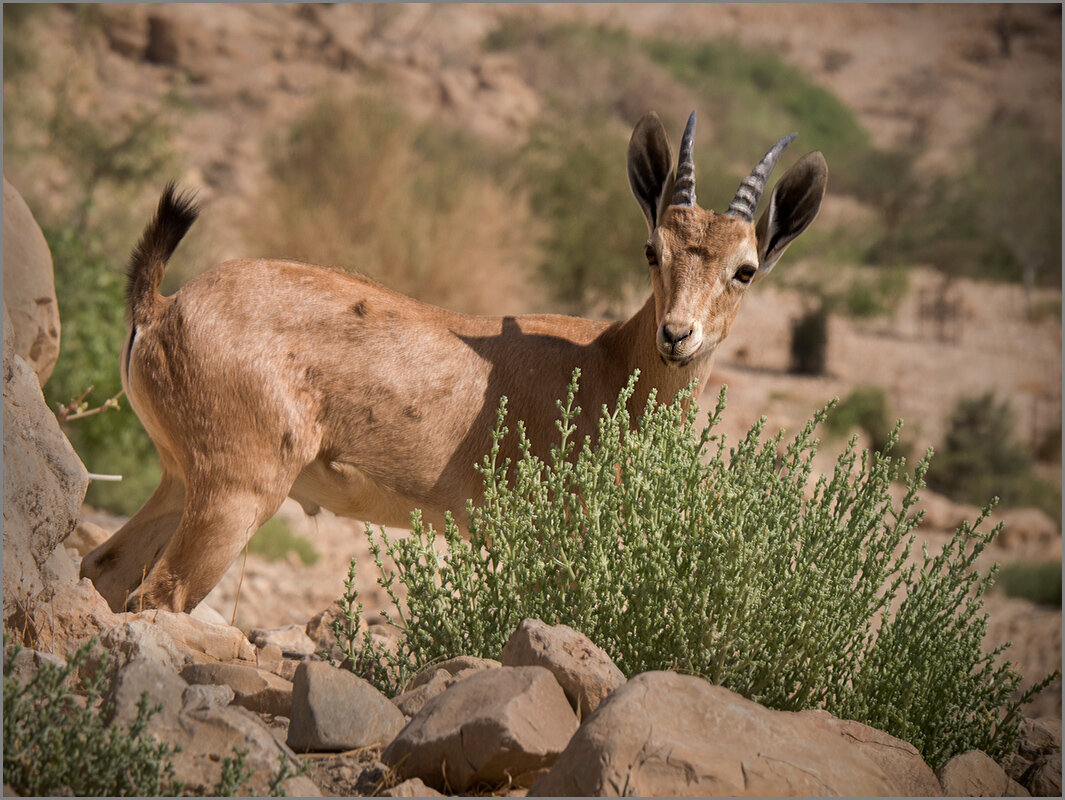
(795,202)
(651,167)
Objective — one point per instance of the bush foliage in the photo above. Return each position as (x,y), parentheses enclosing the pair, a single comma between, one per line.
(52,742)
(57,738)
(671,551)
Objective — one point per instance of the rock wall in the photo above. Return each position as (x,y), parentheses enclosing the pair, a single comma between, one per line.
(44,480)
(29,287)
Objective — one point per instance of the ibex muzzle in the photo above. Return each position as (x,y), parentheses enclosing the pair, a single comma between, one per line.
(263,379)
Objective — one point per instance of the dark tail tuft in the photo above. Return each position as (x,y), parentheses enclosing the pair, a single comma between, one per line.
(175,215)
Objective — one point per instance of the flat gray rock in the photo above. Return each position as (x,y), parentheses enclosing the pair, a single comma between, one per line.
(332,709)
(254,689)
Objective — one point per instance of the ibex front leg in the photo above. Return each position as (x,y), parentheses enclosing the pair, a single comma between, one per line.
(220,516)
(118,566)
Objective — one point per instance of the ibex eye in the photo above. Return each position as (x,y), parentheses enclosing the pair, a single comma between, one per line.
(652,256)
(744,274)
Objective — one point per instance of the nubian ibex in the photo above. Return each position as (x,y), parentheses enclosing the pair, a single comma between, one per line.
(263,379)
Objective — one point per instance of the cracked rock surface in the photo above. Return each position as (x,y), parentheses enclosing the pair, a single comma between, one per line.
(666,734)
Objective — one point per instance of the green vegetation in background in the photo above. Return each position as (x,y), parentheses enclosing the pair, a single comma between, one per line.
(713,561)
(1039,583)
(753,96)
(872,291)
(275,540)
(89,235)
(573,165)
(997,217)
(1000,216)
(90,289)
(865,408)
(980,458)
(575,173)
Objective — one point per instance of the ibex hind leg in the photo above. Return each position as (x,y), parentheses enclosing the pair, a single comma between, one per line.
(218,521)
(118,566)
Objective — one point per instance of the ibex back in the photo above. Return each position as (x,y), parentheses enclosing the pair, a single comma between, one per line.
(263,379)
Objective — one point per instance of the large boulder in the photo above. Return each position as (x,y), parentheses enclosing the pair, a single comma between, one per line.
(44,480)
(496,726)
(29,287)
(667,734)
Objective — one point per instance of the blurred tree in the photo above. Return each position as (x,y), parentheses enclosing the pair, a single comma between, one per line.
(809,342)
(1017,186)
(592,252)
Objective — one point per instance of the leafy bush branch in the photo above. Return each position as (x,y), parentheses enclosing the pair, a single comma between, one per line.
(56,738)
(52,741)
(672,551)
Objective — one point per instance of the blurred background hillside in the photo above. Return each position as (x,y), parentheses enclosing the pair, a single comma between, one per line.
(474,157)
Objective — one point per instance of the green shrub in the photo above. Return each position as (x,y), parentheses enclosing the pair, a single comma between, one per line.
(1040,583)
(52,742)
(56,739)
(275,540)
(980,457)
(671,552)
(809,342)
(874,291)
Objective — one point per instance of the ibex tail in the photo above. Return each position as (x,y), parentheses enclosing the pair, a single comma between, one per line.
(147,263)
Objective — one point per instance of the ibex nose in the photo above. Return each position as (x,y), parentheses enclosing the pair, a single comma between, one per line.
(675,332)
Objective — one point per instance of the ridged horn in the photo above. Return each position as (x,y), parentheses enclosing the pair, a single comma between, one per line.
(684,186)
(751,188)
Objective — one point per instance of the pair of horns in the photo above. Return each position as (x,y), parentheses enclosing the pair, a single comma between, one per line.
(750,189)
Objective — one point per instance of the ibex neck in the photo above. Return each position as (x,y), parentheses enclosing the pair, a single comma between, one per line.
(635,343)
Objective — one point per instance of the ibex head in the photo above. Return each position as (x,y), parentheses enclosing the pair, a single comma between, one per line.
(702,262)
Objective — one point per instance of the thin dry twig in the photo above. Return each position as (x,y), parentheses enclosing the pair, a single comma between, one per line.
(79,409)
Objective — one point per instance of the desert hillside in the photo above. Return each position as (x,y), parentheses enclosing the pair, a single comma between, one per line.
(456,153)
